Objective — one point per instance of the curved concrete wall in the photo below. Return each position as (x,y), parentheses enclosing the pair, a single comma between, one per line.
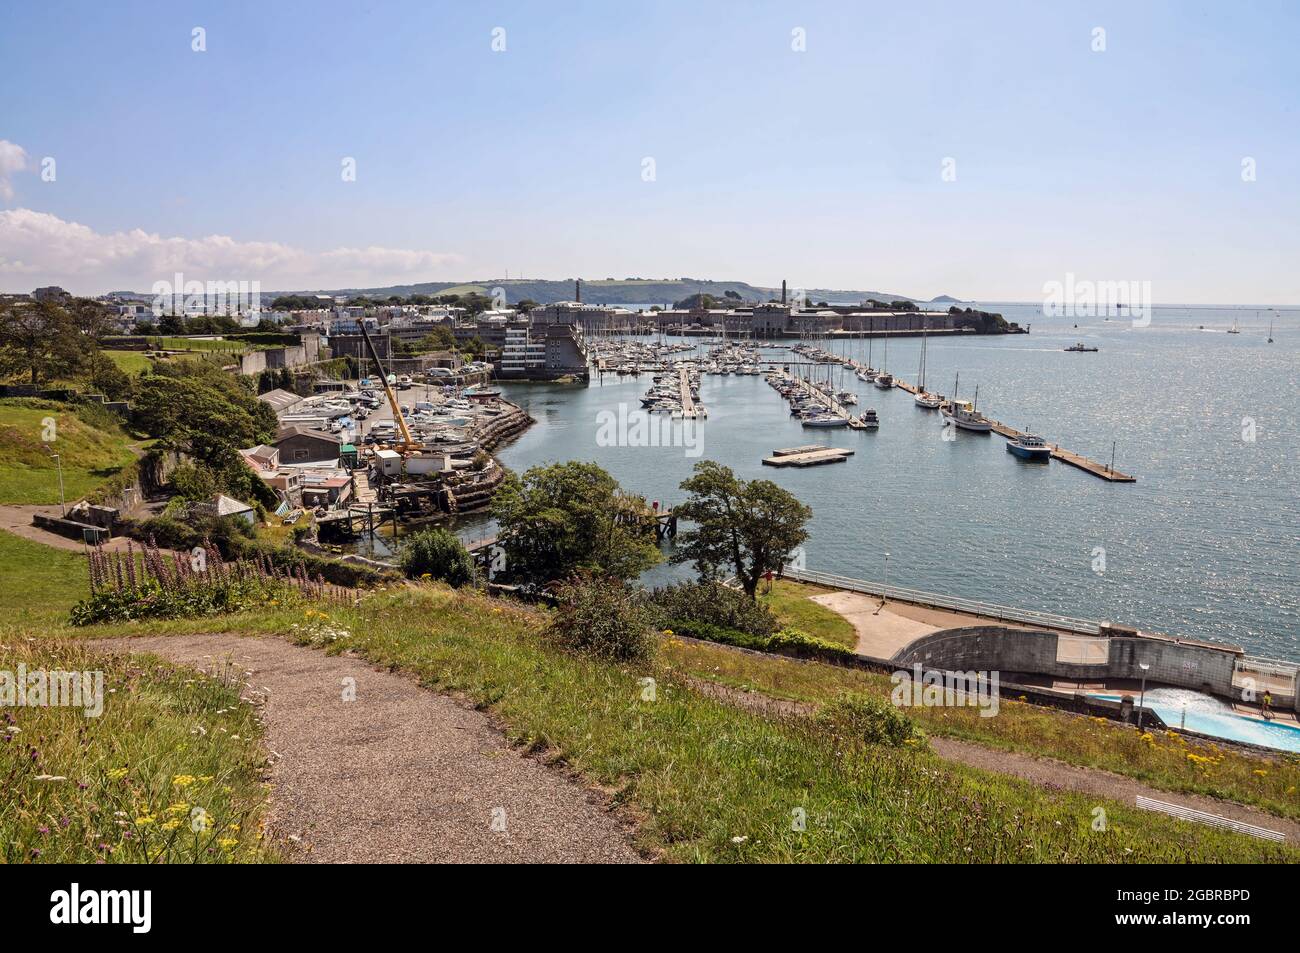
(991,648)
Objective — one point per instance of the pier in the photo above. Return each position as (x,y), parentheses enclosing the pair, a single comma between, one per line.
(1085,464)
(826,400)
(689,411)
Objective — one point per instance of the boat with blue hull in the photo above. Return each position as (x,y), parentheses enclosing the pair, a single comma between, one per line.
(1030,446)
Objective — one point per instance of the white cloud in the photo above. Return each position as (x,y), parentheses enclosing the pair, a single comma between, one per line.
(39,248)
(13,158)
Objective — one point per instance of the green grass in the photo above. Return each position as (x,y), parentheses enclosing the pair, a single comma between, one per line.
(789,601)
(711,781)
(716,782)
(38,584)
(194,344)
(90,454)
(138,783)
(1158,759)
(131,362)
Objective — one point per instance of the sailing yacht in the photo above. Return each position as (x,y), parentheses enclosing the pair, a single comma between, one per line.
(885,380)
(924,398)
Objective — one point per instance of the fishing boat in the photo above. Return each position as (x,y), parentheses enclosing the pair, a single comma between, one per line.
(1081,348)
(1030,446)
(869,419)
(962,413)
(1234,329)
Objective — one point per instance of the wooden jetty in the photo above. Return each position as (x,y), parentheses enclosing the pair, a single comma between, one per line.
(1058,452)
(812,456)
(689,410)
(827,401)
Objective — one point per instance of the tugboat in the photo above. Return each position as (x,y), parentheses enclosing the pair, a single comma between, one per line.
(1030,447)
(1081,348)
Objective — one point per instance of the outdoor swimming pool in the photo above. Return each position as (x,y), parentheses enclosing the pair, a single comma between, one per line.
(1209,716)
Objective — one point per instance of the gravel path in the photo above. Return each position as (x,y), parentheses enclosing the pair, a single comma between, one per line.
(400,774)
(1049,773)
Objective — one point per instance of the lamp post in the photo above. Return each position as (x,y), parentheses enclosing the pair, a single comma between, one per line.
(885,589)
(1143,698)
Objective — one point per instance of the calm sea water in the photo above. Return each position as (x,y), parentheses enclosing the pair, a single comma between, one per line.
(1205,545)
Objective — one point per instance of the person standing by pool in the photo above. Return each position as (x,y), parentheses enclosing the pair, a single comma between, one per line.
(1266,709)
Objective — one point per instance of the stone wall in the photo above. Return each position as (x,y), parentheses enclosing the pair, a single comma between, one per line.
(1196,665)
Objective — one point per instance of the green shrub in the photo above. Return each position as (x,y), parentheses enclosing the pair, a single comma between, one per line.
(786,642)
(604,618)
(866,719)
(438,554)
(795,642)
(713,604)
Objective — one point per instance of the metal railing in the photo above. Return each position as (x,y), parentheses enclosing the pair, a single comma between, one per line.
(972,606)
(1266,666)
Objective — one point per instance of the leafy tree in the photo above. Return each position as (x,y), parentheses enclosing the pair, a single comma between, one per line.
(200,410)
(40,342)
(525,305)
(749,527)
(101,373)
(474,347)
(566,517)
(440,338)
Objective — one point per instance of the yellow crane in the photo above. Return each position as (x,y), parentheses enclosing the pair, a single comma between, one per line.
(407,442)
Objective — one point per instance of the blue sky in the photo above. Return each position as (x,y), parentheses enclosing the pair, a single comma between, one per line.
(822,167)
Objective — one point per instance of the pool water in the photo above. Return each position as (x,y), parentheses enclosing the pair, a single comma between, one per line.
(1209,716)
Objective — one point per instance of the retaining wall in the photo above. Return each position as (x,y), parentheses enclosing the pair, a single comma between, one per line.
(1195,665)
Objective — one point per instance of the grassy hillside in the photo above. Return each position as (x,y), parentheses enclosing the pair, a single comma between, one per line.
(92,450)
(708,780)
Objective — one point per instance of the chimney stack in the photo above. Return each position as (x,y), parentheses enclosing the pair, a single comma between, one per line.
(783,291)
(577,291)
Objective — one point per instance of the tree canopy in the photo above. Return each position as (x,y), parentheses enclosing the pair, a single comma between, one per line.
(749,527)
(559,519)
